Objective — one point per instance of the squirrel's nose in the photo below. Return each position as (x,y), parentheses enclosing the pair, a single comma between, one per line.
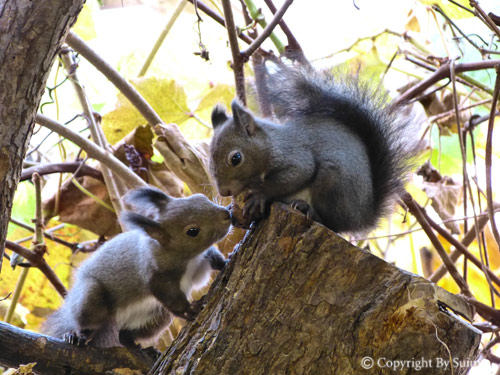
(225,192)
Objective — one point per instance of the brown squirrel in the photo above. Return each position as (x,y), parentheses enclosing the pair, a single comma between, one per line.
(130,288)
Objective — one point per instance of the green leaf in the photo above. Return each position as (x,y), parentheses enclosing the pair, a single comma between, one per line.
(166,97)
(23,207)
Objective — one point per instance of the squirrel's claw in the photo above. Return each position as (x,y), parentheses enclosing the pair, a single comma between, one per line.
(304,207)
(255,205)
(73,338)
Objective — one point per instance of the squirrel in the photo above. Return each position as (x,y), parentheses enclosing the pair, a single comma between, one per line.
(337,152)
(130,288)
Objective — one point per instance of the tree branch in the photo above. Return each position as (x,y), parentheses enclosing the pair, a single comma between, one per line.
(72,245)
(129,91)
(239,76)
(267,31)
(488,157)
(209,12)
(39,262)
(443,72)
(423,220)
(112,186)
(67,167)
(104,156)
(55,357)
(453,241)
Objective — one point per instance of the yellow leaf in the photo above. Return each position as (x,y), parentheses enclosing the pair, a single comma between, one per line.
(166,97)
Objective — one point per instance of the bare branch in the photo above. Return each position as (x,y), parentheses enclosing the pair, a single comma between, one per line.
(39,262)
(488,161)
(104,156)
(423,219)
(67,167)
(55,357)
(239,76)
(443,72)
(98,136)
(209,12)
(110,73)
(267,31)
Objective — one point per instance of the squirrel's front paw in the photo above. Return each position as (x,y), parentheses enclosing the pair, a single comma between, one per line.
(78,339)
(255,205)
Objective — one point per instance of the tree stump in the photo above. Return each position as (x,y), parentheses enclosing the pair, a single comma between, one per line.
(298,299)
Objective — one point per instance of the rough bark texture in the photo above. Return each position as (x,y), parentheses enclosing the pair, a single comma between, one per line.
(30,35)
(54,357)
(297,299)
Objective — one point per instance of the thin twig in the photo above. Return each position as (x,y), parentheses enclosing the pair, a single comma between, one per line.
(177,11)
(40,263)
(209,12)
(257,15)
(267,31)
(466,241)
(443,72)
(452,240)
(98,136)
(104,156)
(488,158)
(294,47)
(484,17)
(75,42)
(73,246)
(68,167)
(239,76)
(422,218)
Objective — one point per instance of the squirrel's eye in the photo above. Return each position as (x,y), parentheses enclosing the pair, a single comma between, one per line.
(235,158)
(193,232)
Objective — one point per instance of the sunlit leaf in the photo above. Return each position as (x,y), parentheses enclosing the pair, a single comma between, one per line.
(85,26)
(166,97)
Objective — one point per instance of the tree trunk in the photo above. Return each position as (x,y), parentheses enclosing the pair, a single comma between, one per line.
(30,35)
(297,299)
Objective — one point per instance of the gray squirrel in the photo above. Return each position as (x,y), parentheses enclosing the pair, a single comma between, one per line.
(130,288)
(339,152)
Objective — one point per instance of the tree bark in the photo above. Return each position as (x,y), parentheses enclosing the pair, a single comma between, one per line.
(30,35)
(298,299)
(55,357)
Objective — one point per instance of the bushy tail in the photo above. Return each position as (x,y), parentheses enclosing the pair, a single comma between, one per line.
(296,93)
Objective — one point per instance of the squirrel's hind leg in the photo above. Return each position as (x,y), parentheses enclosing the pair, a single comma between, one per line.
(92,312)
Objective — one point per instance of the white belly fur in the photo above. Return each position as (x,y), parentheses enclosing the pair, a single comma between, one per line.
(304,194)
(136,314)
(196,275)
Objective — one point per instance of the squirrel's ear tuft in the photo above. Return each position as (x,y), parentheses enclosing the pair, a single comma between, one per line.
(146,196)
(243,117)
(132,220)
(219,115)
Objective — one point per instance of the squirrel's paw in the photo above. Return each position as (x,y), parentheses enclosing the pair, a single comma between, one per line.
(192,312)
(74,338)
(304,207)
(255,205)
(151,352)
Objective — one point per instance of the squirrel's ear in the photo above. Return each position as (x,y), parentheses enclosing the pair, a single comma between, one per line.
(132,220)
(243,117)
(146,197)
(219,115)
